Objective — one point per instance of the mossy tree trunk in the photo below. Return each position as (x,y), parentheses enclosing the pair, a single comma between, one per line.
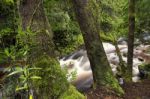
(39,39)
(122,66)
(34,20)
(130,39)
(86,13)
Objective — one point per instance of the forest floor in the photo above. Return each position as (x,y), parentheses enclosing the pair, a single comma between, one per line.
(139,90)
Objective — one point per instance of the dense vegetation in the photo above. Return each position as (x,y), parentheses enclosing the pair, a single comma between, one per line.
(30,43)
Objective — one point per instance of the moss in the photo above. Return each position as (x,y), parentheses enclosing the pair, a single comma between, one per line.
(128,77)
(54,81)
(113,83)
(72,93)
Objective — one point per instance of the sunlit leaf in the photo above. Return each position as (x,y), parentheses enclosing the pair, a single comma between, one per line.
(7,52)
(21,88)
(18,68)
(35,77)
(13,73)
(34,68)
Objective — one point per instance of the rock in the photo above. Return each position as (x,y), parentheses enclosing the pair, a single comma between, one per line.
(122,41)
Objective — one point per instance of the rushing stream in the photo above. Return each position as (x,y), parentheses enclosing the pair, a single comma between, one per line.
(78,62)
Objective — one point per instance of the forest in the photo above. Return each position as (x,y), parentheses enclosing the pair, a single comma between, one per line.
(74,49)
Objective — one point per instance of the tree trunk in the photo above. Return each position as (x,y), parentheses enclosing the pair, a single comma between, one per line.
(131,39)
(122,66)
(86,13)
(39,37)
(34,20)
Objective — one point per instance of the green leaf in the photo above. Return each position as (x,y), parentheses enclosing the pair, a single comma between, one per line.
(34,68)
(13,73)
(18,69)
(21,88)
(22,77)
(8,69)
(25,53)
(9,1)
(7,52)
(35,77)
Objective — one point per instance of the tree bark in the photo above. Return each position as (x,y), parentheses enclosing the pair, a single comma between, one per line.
(39,37)
(85,11)
(34,20)
(122,66)
(131,39)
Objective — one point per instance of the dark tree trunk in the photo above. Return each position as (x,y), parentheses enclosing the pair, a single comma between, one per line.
(131,39)
(86,15)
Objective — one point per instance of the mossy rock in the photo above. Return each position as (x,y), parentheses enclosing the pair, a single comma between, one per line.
(72,93)
(145,67)
(145,70)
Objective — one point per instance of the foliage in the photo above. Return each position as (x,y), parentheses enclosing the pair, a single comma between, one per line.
(23,78)
(6,7)
(142,16)
(9,87)
(53,81)
(8,24)
(65,27)
(3,57)
(17,81)
(50,81)
(13,54)
(112,16)
(25,75)
(72,93)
